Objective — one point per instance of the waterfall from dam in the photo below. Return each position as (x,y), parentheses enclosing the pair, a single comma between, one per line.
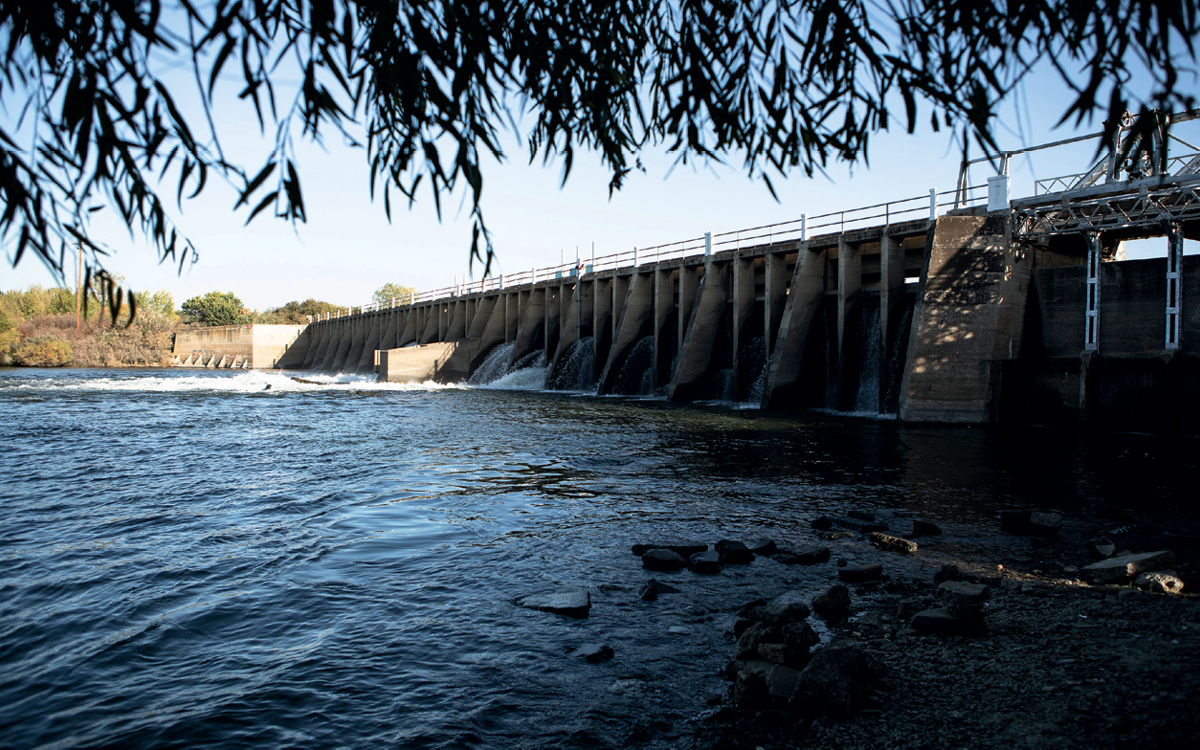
(870,356)
(575,370)
(494,365)
(636,377)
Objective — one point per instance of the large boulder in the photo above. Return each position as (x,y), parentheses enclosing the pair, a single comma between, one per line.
(575,604)
(837,677)
(760,684)
(785,608)
(1160,583)
(1124,567)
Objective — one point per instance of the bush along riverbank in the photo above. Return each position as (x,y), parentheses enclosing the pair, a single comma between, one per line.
(1040,632)
(54,341)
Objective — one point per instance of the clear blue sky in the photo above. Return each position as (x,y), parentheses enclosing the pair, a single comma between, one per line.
(348,249)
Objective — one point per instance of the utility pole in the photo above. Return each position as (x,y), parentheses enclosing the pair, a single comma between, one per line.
(78,283)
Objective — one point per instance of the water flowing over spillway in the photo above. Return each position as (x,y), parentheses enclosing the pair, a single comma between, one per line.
(197,559)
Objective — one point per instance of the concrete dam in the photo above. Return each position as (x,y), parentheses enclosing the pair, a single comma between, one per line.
(979,310)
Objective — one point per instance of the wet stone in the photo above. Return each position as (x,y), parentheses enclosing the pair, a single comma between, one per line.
(707,563)
(785,608)
(1124,567)
(663,560)
(835,601)
(908,608)
(861,573)
(765,547)
(892,543)
(734,553)
(822,523)
(650,592)
(575,604)
(682,548)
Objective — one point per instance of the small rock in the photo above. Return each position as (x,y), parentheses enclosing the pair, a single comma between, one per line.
(795,556)
(734,553)
(653,588)
(764,547)
(1159,582)
(861,573)
(962,599)
(908,608)
(678,630)
(1105,548)
(947,573)
(924,528)
(862,515)
(1030,522)
(748,642)
(941,621)
(822,523)
(835,601)
(684,549)
(1124,567)
(594,652)
(663,560)
(575,604)
(893,543)
(705,562)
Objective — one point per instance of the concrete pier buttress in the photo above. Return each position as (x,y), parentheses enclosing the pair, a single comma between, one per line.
(969,318)
(997,327)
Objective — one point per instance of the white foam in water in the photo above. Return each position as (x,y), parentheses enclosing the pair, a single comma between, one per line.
(529,379)
(249,381)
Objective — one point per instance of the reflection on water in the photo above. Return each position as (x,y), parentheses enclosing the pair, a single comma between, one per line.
(191,558)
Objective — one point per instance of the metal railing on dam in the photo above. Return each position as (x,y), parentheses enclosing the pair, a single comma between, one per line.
(934,308)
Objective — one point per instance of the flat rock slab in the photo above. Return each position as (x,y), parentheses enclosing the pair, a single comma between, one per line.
(1124,567)
(653,588)
(734,553)
(575,604)
(860,573)
(963,599)
(683,548)
(892,543)
(663,560)
(941,621)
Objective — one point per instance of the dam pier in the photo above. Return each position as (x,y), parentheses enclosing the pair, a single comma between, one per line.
(958,307)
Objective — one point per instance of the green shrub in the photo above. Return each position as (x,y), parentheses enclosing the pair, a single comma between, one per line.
(42,351)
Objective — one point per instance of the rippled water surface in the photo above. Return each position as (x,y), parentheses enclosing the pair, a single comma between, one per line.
(192,558)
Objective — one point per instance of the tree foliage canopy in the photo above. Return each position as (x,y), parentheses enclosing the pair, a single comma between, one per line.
(385,294)
(427,86)
(214,309)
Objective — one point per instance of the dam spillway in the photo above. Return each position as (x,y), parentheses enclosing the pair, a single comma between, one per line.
(985,310)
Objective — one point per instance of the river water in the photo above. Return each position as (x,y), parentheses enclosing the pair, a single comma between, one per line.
(193,558)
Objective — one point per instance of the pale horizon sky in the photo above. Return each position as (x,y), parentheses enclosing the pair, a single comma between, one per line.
(347,249)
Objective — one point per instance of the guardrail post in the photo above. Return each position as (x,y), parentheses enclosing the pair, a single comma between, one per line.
(635,257)
(933,204)
(707,244)
(1091,341)
(803,227)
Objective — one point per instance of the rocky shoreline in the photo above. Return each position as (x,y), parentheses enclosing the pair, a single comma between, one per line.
(1045,633)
